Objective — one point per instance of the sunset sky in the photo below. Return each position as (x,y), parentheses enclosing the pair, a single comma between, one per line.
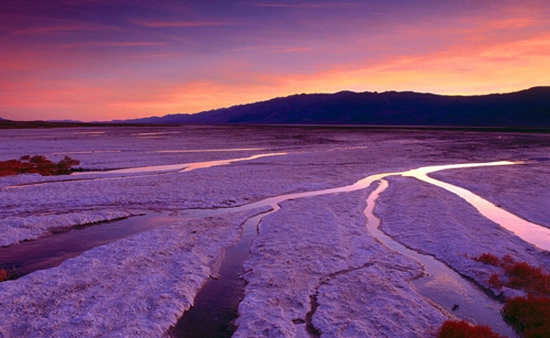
(95,60)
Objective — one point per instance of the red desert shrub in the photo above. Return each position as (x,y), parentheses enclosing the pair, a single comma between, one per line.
(7,275)
(495,281)
(524,276)
(507,260)
(488,259)
(37,164)
(463,329)
(38,159)
(529,316)
(518,275)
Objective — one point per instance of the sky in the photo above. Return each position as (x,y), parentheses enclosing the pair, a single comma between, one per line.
(99,60)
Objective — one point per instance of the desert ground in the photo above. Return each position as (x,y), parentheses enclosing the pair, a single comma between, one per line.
(279,216)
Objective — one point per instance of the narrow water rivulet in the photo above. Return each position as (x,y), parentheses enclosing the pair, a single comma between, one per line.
(442,286)
(220,297)
(53,250)
(218,300)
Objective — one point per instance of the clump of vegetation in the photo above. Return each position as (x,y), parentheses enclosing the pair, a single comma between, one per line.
(517,275)
(463,329)
(7,275)
(37,164)
(488,259)
(530,316)
(527,315)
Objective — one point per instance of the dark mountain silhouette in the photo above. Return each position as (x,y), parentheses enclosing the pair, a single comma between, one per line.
(9,124)
(527,109)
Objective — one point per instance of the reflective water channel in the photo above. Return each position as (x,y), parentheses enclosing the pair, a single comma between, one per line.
(442,285)
(216,304)
(44,253)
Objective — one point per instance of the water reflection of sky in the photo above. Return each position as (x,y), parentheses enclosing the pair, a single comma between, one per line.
(87,152)
(207,150)
(441,284)
(185,167)
(528,231)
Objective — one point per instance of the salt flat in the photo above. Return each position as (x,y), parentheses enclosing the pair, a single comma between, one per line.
(313,247)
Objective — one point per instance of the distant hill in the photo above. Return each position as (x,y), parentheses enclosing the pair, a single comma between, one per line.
(8,124)
(524,109)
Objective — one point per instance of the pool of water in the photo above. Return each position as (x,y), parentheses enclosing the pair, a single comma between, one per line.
(51,251)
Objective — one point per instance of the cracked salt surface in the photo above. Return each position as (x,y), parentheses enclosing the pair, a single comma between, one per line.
(290,262)
(444,287)
(134,287)
(140,285)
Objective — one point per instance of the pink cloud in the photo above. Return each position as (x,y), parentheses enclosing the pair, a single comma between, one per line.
(47,30)
(306,5)
(178,24)
(295,50)
(117,44)
(271,49)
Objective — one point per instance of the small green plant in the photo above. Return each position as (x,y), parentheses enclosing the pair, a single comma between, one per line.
(463,329)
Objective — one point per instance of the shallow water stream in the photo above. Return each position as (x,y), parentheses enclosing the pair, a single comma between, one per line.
(442,285)
(219,299)
(217,303)
(51,251)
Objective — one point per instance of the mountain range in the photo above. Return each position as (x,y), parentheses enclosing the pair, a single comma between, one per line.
(523,109)
(526,109)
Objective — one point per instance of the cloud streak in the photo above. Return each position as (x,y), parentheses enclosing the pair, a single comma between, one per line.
(180,24)
(68,28)
(116,44)
(332,5)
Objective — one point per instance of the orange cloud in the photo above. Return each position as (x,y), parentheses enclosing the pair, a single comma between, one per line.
(506,66)
(501,67)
